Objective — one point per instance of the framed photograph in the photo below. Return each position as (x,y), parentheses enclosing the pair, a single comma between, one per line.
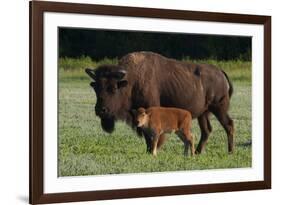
(138,102)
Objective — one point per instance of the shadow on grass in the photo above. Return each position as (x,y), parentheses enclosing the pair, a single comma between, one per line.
(245,144)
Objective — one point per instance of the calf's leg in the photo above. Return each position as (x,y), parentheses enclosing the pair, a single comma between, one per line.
(154,144)
(148,140)
(161,140)
(152,139)
(188,140)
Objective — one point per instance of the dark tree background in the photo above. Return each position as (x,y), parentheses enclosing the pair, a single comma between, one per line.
(99,44)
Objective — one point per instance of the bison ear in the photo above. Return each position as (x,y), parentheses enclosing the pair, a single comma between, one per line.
(91,73)
(122,83)
(93,84)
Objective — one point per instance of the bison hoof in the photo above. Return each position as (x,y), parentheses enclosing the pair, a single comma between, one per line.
(197,152)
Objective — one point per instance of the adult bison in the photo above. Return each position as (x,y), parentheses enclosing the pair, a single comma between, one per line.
(144,79)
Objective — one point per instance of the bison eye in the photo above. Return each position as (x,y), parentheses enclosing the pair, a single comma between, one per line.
(122,83)
(111,89)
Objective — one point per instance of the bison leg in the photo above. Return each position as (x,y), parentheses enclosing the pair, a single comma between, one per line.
(206,128)
(228,126)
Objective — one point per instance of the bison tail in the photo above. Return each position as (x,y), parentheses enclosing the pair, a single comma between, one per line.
(230,91)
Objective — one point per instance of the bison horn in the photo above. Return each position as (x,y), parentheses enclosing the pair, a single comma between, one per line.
(118,74)
(91,73)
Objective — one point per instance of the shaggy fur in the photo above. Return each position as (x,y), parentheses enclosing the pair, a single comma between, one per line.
(145,79)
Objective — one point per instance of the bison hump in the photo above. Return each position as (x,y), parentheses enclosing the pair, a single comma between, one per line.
(131,59)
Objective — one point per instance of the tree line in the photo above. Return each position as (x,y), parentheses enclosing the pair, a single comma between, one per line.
(100,44)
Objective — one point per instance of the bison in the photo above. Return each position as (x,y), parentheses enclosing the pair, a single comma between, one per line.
(146,79)
(158,120)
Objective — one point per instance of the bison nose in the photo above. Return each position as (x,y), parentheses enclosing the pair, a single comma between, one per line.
(103,110)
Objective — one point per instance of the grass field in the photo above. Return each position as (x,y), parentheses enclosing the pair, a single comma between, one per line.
(85,149)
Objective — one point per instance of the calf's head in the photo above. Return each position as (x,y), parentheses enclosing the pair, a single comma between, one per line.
(142,117)
(110,84)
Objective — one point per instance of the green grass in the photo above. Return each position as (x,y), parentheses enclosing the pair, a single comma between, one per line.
(85,149)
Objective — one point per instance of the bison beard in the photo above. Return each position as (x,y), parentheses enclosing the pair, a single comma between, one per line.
(108,124)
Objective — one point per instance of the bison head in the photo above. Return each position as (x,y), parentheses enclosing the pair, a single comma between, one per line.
(110,85)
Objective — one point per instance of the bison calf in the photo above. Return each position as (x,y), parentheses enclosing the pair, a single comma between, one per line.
(159,120)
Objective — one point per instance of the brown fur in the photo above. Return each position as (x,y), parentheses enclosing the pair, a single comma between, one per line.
(160,120)
(149,79)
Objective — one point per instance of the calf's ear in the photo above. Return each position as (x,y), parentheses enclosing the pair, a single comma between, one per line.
(142,110)
(147,113)
(122,83)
